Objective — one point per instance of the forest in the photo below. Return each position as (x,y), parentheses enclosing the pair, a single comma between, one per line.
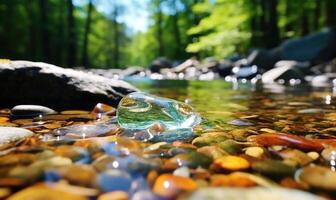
(67,34)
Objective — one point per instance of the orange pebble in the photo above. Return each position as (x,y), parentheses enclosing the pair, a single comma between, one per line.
(168,185)
(232,163)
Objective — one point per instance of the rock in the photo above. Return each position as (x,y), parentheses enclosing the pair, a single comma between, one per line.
(160,63)
(28,111)
(319,177)
(260,193)
(139,110)
(273,168)
(315,48)
(85,131)
(225,68)
(117,195)
(43,191)
(283,74)
(323,80)
(12,134)
(232,163)
(255,152)
(114,180)
(182,171)
(56,87)
(168,185)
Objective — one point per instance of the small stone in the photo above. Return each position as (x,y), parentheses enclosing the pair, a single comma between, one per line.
(256,152)
(192,160)
(232,163)
(313,155)
(144,195)
(114,180)
(139,110)
(231,180)
(12,134)
(182,171)
(295,155)
(329,154)
(116,195)
(319,177)
(76,154)
(85,131)
(210,138)
(274,193)
(82,175)
(26,111)
(168,185)
(103,109)
(213,152)
(42,191)
(273,168)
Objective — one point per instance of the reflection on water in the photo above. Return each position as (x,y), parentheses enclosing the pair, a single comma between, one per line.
(220,101)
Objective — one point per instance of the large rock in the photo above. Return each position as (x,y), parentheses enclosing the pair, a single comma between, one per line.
(315,48)
(24,82)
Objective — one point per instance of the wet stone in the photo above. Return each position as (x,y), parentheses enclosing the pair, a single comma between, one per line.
(232,163)
(114,180)
(183,134)
(319,177)
(25,111)
(167,185)
(85,131)
(140,111)
(12,134)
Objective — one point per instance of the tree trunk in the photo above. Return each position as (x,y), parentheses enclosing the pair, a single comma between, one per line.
(317,15)
(176,31)
(273,30)
(116,37)
(44,30)
(31,51)
(159,29)
(330,13)
(72,42)
(85,59)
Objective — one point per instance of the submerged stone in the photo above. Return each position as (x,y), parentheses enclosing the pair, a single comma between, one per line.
(85,131)
(139,110)
(114,180)
(12,134)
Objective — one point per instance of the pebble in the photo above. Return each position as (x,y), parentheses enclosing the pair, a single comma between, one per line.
(182,171)
(319,177)
(22,111)
(116,195)
(114,180)
(261,193)
(329,154)
(232,163)
(313,155)
(42,191)
(13,134)
(168,185)
(212,151)
(256,152)
(144,195)
(170,136)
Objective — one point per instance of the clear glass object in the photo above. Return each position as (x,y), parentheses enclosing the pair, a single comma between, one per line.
(139,110)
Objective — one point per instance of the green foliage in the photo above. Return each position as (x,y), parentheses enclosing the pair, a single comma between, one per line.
(220,36)
(178,29)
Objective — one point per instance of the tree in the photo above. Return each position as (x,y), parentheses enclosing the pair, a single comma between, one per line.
(72,40)
(44,30)
(85,59)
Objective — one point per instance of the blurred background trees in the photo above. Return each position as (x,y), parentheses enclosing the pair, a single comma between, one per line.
(69,34)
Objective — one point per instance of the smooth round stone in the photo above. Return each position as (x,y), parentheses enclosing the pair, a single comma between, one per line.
(168,185)
(30,111)
(12,134)
(313,155)
(260,193)
(329,154)
(319,177)
(116,195)
(182,171)
(232,163)
(42,191)
(256,152)
(114,180)
(144,195)
(85,131)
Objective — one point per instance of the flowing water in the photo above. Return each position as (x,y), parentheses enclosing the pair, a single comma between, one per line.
(252,140)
